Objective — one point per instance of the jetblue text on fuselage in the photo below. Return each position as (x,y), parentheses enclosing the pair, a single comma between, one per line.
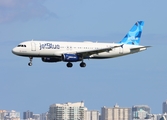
(49,46)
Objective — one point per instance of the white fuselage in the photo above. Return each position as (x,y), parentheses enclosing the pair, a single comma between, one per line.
(56,48)
(56,51)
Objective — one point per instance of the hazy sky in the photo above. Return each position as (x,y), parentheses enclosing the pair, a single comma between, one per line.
(130,80)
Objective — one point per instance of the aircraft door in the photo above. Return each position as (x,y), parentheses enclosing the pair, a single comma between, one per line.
(33,46)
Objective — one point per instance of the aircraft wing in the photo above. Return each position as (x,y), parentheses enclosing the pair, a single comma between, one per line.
(96,51)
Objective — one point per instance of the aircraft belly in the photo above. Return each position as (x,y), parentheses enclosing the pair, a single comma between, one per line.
(46,53)
(37,53)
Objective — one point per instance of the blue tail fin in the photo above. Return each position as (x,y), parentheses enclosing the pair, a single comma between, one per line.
(133,36)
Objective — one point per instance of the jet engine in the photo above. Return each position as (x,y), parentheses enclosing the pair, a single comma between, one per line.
(51,59)
(71,57)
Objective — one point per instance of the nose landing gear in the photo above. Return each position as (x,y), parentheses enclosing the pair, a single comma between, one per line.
(30,63)
(82,64)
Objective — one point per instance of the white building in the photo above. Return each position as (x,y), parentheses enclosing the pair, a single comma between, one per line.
(2,114)
(115,113)
(67,111)
(36,116)
(91,115)
(43,116)
(164,117)
(155,117)
(141,114)
(140,111)
(9,115)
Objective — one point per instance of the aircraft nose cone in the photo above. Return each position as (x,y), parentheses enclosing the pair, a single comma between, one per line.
(14,51)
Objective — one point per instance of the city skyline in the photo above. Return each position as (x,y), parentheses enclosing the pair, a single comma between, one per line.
(29,114)
(77,110)
(135,79)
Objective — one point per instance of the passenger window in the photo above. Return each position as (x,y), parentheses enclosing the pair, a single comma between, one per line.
(24,45)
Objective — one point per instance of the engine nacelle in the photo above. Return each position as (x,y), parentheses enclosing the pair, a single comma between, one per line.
(51,59)
(71,57)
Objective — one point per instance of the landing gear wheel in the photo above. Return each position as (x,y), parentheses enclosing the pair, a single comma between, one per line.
(30,64)
(69,64)
(82,64)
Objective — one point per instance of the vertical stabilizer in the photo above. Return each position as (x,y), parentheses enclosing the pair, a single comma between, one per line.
(133,36)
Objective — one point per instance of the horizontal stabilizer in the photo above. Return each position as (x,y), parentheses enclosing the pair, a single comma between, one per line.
(138,49)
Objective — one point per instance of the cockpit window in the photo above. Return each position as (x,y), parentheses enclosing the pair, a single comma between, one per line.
(21,46)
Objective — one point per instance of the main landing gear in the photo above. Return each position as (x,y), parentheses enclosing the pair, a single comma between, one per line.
(82,64)
(30,63)
(69,64)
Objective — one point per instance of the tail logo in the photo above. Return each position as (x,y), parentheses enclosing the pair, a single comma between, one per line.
(133,36)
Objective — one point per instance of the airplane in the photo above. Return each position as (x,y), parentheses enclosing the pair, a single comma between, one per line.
(56,51)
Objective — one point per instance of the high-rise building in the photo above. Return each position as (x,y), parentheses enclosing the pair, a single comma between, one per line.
(91,115)
(140,111)
(164,107)
(27,115)
(67,111)
(115,113)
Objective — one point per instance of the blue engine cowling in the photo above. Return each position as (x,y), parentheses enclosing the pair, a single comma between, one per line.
(51,59)
(71,58)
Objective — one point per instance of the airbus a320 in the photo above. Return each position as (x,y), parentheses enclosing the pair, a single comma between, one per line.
(56,51)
